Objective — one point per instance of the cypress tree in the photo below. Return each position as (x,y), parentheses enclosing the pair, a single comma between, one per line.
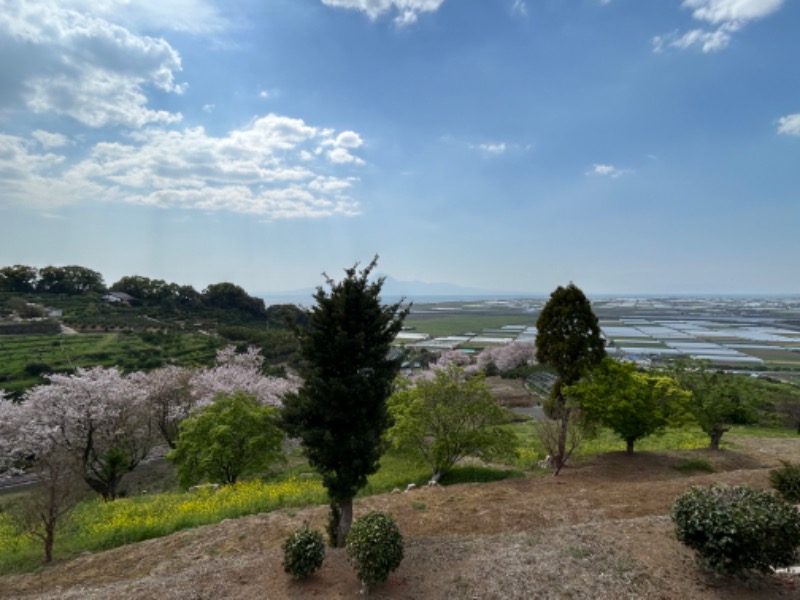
(340,413)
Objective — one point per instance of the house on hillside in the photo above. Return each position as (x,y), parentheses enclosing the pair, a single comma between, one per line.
(118,297)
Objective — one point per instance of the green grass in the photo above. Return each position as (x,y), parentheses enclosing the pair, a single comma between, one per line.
(760,431)
(96,525)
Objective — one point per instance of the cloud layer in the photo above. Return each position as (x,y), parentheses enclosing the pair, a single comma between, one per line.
(727,16)
(276,167)
(82,66)
(406,11)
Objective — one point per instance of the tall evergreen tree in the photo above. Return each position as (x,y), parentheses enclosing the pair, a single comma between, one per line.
(567,340)
(340,413)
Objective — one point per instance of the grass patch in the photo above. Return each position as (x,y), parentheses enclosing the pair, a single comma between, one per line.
(96,525)
(477,474)
(761,432)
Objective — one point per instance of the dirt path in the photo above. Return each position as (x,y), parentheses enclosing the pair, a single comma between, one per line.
(600,530)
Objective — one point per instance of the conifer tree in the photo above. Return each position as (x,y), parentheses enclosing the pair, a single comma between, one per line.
(567,340)
(340,413)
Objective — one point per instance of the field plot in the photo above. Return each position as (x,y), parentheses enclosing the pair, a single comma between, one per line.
(721,342)
(740,333)
(23,359)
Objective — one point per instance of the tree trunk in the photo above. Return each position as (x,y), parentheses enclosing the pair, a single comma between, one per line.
(715,437)
(49,537)
(629,446)
(345,520)
(560,459)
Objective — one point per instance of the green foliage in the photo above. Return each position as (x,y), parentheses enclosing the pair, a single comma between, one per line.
(446,419)
(23,358)
(374,547)
(632,404)
(786,480)
(340,413)
(71,280)
(568,335)
(303,552)
(232,297)
(718,399)
(232,437)
(568,341)
(736,529)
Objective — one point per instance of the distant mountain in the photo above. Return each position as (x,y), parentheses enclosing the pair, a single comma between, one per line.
(395,288)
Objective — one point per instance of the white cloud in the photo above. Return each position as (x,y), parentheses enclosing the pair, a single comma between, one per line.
(209,108)
(728,11)
(493,149)
(407,10)
(50,140)
(83,66)
(341,156)
(789,125)
(607,171)
(266,168)
(520,7)
(728,16)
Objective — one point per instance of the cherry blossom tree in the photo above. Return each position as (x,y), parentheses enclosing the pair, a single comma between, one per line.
(169,398)
(505,358)
(452,357)
(240,372)
(99,416)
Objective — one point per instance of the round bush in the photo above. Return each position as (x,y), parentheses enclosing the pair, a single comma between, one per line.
(374,547)
(786,481)
(736,529)
(303,552)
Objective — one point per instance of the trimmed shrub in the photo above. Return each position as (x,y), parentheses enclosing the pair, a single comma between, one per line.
(737,529)
(786,480)
(374,547)
(303,552)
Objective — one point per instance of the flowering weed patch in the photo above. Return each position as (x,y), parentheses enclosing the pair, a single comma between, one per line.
(98,525)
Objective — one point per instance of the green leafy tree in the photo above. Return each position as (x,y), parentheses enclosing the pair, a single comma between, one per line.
(232,437)
(718,399)
(340,413)
(448,418)
(19,279)
(632,404)
(229,296)
(70,280)
(568,341)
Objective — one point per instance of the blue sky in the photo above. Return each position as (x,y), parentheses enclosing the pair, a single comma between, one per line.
(630,146)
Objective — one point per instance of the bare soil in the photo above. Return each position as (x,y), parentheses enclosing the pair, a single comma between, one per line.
(600,530)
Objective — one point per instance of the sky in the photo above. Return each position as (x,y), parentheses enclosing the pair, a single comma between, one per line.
(628,146)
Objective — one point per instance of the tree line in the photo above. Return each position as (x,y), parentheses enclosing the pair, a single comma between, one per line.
(77,281)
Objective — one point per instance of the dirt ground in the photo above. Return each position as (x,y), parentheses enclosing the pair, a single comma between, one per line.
(600,530)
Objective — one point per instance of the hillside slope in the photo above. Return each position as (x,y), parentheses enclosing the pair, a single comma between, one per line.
(600,530)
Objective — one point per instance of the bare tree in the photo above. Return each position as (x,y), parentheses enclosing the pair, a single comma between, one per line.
(46,508)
